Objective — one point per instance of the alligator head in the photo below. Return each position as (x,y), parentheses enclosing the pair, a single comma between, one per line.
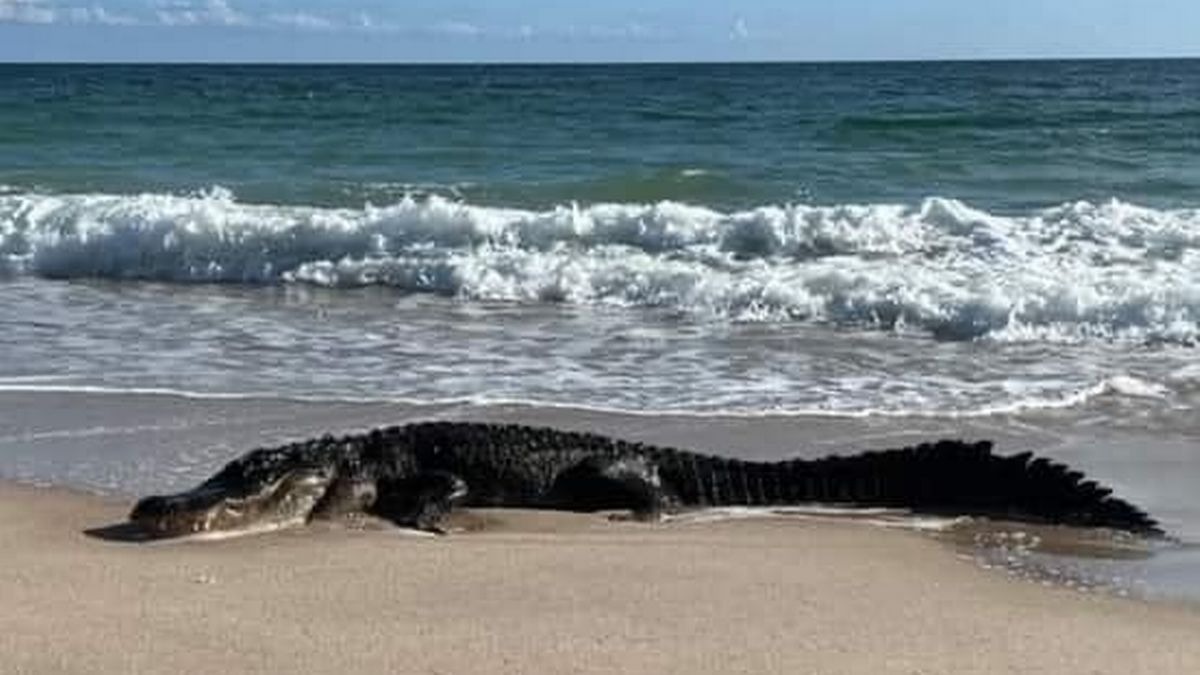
(270,502)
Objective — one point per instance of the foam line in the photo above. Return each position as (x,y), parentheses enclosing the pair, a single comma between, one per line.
(1115,386)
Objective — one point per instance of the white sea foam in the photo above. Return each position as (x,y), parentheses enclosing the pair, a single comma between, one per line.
(1121,386)
(1125,385)
(1076,272)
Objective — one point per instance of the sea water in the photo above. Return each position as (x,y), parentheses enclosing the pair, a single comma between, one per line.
(954,238)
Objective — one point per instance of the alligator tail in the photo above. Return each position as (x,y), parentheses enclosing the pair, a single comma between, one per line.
(947,477)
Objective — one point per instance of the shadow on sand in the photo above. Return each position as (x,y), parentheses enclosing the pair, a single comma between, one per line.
(126,533)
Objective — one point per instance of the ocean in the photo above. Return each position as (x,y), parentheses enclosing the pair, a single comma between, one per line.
(990,248)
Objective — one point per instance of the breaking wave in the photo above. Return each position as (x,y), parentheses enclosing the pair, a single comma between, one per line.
(1075,272)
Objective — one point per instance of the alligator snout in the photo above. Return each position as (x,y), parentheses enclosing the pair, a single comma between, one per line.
(185,513)
(287,500)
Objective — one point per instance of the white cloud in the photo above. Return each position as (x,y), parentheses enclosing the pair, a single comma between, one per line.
(460,28)
(739,31)
(603,32)
(47,12)
(367,23)
(26,11)
(224,13)
(303,20)
(98,15)
(629,30)
(207,13)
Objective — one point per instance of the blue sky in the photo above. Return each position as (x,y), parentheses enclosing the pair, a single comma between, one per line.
(604,30)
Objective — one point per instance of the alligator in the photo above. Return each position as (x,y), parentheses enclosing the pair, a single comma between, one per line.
(413,475)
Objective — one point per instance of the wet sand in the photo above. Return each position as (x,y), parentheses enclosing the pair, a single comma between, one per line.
(524,592)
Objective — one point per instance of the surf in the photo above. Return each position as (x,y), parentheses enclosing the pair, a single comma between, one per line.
(1076,272)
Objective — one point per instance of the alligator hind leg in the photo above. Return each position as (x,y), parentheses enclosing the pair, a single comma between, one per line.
(419,502)
(605,484)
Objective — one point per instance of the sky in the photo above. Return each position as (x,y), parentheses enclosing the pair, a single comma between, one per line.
(601,30)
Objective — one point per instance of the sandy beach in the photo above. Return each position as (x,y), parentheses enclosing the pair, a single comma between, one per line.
(554,593)
(674,226)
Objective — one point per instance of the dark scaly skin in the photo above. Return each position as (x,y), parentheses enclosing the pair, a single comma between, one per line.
(413,474)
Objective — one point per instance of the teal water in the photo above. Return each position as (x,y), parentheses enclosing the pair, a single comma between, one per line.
(1000,136)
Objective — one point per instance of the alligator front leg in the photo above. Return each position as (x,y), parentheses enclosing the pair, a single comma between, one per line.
(603,484)
(419,502)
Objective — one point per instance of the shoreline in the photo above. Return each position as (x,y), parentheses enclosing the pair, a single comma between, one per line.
(551,592)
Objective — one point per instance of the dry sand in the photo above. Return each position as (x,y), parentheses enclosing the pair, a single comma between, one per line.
(545,593)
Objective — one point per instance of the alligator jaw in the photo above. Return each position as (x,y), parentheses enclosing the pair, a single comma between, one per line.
(288,500)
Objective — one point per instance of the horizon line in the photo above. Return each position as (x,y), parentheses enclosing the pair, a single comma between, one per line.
(585,62)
